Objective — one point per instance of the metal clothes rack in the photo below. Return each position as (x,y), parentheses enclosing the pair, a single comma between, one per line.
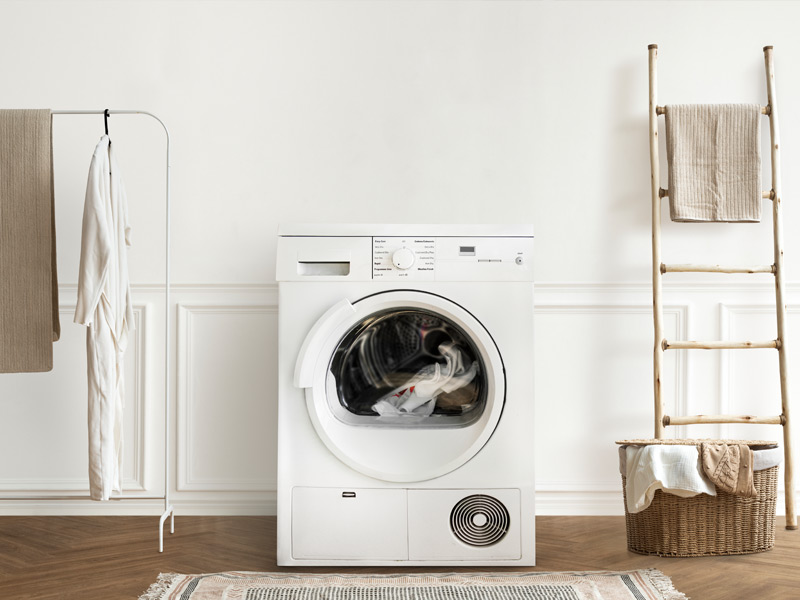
(663,420)
(169,511)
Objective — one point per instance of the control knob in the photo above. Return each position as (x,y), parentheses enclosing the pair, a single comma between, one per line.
(403,258)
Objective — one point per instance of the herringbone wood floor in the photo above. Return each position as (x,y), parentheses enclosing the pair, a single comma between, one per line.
(111,558)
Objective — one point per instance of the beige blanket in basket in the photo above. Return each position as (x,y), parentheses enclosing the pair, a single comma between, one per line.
(729,467)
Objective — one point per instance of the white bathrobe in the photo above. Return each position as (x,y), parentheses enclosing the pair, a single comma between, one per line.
(104,305)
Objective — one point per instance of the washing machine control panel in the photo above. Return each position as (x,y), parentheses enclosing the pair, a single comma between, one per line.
(403,258)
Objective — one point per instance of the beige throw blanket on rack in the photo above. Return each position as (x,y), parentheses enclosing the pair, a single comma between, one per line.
(28,285)
(729,467)
(714,159)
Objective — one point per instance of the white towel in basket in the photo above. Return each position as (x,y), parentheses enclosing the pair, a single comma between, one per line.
(674,469)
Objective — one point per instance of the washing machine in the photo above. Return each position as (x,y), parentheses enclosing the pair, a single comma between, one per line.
(405,419)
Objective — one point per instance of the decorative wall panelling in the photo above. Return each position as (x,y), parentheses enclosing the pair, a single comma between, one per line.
(593,385)
(43,416)
(749,382)
(226,375)
(226,386)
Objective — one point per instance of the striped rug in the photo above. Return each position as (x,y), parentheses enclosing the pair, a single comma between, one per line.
(647,584)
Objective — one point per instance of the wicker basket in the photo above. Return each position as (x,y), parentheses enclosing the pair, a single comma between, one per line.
(706,525)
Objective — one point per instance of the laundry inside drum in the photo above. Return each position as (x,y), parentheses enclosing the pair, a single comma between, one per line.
(408,366)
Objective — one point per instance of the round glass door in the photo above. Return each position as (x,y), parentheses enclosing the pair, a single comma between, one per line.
(403,385)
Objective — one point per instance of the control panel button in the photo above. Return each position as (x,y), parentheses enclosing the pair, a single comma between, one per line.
(403,258)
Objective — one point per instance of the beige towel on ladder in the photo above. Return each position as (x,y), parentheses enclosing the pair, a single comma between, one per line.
(28,285)
(714,158)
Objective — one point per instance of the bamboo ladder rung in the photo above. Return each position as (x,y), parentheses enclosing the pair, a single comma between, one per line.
(722,419)
(664,193)
(716,269)
(721,345)
(764,110)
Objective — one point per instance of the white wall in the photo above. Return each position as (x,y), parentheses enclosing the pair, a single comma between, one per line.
(386,112)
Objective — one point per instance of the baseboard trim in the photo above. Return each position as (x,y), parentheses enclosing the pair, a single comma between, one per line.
(60,507)
(595,503)
(548,503)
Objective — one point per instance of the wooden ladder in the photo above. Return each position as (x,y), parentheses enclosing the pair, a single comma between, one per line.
(659,269)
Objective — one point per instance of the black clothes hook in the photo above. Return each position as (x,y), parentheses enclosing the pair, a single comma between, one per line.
(106,115)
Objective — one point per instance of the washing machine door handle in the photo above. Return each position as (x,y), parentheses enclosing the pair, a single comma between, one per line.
(309,352)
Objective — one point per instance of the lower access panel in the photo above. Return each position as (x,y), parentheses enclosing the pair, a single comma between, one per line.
(340,523)
(464,524)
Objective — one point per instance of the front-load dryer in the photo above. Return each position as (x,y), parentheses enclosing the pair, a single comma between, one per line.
(405,420)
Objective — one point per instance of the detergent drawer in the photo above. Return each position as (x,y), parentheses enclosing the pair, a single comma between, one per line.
(349,523)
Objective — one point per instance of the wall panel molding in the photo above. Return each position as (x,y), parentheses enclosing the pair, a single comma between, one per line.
(139,345)
(187,478)
(729,312)
(681,312)
(211,307)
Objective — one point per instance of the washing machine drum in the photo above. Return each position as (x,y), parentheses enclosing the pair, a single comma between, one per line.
(409,367)
(403,385)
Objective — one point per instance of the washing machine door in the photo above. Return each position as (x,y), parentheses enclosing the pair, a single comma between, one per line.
(402,385)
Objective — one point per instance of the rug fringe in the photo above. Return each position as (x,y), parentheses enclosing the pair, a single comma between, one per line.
(157,590)
(664,585)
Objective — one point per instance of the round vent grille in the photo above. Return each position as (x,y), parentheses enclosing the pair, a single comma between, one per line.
(479,520)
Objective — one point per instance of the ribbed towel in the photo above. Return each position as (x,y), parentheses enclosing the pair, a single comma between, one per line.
(714,158)
(28,285)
